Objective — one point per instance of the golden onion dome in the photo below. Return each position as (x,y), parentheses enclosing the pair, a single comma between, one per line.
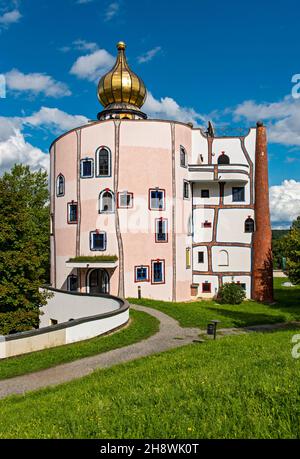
(121,85)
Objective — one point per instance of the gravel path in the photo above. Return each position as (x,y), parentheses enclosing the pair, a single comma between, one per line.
(169,336)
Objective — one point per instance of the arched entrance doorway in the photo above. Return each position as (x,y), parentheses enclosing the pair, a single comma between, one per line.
(98,281)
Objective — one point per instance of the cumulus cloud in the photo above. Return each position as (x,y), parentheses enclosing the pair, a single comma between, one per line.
(149,55)
(168,108)
(80,45)
(10,17)
(54,119)
(285,202)
(14,148)
(282,118)
(112,10)
(36,83)
(93,65)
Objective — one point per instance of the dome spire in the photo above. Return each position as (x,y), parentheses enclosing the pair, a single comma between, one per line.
(121,91)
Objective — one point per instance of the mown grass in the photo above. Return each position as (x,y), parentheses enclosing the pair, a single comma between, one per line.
(141,327)
(245,386)
(199,313)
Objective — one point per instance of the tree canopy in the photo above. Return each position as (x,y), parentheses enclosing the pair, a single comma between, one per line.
(24,247)
(292,251)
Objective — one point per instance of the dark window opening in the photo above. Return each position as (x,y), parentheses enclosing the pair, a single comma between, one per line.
(249,225)
(186,189)
(204,193)
(206,287)
(103,162)
(200,257)
(86,168)
(223,159)
(238,193)
(72,214)
(98,240)
(141,273)
(157,272)
(157,199)
(161,230)
(72,283)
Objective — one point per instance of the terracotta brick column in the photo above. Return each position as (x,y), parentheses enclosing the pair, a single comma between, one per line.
(262,280)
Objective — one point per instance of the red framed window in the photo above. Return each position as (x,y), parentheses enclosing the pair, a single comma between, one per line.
(141,273)
(72,212)
(125,200)
(206,287)
(157,271)
(157,199)
(161,230)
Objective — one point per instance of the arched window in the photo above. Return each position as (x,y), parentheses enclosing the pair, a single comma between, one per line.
(249,225)
(106,202)
(183,160)
(103,160)
(223,159)
(223,258)
(60,185)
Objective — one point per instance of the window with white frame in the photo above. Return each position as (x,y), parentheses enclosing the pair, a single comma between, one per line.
(98,240)
(87,168)
(156,199)
(186,189)
(60,185)
(72,212)
(125,200)
(161,230)
(158,272)
(141,273)
(72,283)
(106,202)
(183,157)
(103,159)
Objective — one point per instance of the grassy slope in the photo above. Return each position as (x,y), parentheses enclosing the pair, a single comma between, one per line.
(238,387)
(142,326)
(199,313)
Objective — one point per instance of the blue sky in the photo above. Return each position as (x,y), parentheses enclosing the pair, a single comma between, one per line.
(231,62)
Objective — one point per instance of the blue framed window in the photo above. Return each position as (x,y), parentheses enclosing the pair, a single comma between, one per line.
(158,272)
(156,199)
(238,193)
(87,168)
(141,273)
(72,212)
(98,240)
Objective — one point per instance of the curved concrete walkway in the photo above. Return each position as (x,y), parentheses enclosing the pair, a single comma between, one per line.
(169,336)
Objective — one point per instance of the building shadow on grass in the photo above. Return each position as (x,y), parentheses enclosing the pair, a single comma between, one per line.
(246,318)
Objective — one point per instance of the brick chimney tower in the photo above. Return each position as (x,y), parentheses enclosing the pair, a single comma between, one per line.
(262,265)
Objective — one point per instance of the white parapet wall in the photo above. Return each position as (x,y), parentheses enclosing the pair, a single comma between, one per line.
(79,317)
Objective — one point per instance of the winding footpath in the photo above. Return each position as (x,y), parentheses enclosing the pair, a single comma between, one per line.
(170,335)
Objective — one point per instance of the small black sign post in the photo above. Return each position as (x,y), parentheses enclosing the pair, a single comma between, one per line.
(212,328)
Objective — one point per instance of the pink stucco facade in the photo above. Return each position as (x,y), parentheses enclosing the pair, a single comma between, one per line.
(145,155)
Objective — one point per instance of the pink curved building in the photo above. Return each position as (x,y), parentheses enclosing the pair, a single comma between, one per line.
(157,208)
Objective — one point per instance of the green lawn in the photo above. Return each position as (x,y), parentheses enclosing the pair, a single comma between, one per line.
(199,313)
(243,386)
(142,326)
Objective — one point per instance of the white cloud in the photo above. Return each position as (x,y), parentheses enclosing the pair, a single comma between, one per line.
(15,149)
(92,66)
(149,55)
(168,108)
(13,145)
(10,17)
(285,201)
(282,118)
(36,83)
(53,118)
(112,11)
(83,45)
